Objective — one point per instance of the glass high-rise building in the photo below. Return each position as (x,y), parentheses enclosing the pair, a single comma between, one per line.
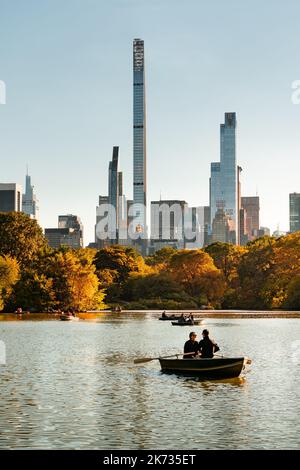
(139,136)
(29,200)
(250,205)
(113,182)
(294,212)
(224,183)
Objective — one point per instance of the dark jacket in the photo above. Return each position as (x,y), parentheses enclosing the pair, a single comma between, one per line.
(191,346)
(207,347)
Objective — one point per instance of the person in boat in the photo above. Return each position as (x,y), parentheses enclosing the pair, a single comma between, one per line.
(207,347)
(181,318)
(164,314)
(191,346)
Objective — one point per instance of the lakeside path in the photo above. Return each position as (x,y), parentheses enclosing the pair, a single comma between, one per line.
(157,313)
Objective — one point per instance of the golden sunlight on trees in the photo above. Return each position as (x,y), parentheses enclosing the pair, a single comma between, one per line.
(9,274)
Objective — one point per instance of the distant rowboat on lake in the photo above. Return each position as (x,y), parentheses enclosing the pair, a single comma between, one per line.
(69,318)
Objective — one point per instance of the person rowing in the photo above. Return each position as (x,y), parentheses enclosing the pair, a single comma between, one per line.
(191,346)
(207,347)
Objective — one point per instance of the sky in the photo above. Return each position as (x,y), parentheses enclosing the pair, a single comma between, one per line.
(67,67)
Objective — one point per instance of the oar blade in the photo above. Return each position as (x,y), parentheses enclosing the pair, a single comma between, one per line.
(144,359)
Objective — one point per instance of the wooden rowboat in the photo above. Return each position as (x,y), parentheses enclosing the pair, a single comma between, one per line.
(187,322)
(215,368)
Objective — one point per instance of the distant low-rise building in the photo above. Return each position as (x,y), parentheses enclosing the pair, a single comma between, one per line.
(69,232)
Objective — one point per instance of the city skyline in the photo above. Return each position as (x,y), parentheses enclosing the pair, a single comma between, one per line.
(66,149)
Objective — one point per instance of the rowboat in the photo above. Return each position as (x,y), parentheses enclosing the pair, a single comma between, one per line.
(215,368)
(170,317)
(187,322)
(68,318)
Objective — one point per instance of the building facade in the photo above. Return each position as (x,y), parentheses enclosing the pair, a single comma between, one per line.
(139,138)
(294,212)
(251,208)
(69,232)
(167,224)
(10,197)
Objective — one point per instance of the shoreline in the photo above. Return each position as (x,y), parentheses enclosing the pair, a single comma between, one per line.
(238,314)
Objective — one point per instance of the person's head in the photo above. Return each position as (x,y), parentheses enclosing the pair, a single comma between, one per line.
(205,333)
(193,336)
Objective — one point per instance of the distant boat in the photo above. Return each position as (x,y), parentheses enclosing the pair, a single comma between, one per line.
(169,317)
(69,318)
(116,309)
(215,368)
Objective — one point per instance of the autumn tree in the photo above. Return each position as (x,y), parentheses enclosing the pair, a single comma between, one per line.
(75,281)
(9,274)
(254,269)
(196,272)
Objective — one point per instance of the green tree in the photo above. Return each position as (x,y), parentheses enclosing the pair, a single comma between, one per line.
(161,258)
(121,260)
(33,292)
(20,237)
(226,258)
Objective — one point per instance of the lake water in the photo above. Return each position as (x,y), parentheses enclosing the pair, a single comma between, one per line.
(74,386)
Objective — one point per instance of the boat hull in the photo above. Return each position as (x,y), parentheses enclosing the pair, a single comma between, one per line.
(168,318)
(68,318)
(216,368)
(187,323)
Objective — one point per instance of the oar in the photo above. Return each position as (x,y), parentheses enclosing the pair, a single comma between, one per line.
(248,361)
(148,359)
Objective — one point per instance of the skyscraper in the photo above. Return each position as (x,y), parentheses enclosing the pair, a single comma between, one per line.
(250,205)
(115,189)
(139,137)
(29,200)
(294,212)
(224,183)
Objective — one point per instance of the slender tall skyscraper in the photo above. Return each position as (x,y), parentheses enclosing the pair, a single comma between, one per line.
(29,201)
(139,135)
(224,189)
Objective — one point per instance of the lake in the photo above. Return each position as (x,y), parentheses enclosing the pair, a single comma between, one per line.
(73,385)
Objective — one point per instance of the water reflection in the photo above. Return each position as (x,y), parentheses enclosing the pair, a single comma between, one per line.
(75,386)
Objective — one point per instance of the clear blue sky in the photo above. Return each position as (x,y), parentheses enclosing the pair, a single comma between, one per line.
(67,66)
